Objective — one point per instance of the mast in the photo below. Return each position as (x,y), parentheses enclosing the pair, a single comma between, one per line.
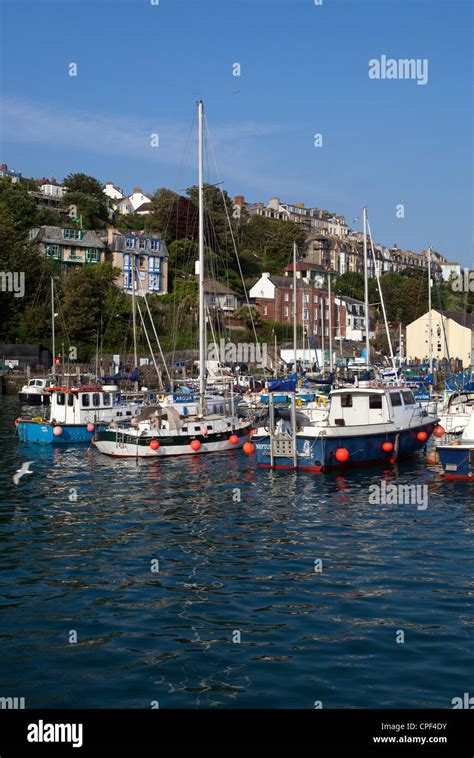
(53,333)
(366,290)
(323,356)
(430,338)
(134,317)
(202,321)
(331,367)
(294,305)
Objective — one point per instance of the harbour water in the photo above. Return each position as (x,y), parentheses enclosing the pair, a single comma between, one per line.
(161,567)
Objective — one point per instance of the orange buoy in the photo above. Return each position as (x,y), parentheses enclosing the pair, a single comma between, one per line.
(204,431)
(342,454)
(387,447)
(233,439)
(195,445)
(439,431)
(57,431)
(249,448)
(422,436)
(154,444)
(90,427)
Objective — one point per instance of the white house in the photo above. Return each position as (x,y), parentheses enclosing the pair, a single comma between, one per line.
(452,336)
(52,189)
(137,202)
(115,193)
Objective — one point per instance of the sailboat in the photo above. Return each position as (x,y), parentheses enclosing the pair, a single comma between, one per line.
(364,425)
(165,429)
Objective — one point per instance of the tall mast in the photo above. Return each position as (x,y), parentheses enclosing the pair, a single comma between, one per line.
(366,290)
(430,338)
(202,317)
(53,333)
(331,366)
(134,317)
(294,305)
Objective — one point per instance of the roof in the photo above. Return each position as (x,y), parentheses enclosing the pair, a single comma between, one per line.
(286,282)
(464,319)
(54,235)
(303,266)
(143,207)
(213,287)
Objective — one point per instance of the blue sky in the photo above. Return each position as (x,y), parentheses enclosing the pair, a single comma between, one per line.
(304,70)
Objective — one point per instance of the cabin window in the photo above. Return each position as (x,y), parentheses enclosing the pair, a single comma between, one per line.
(128,413)
(86,401)
(346,401)
(408,398)
(106,398)
(375,402)
(395,399)
(96,399)
(60,398)
(70,400)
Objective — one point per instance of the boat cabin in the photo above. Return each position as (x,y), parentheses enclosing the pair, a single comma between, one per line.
(363,406)
(81,405)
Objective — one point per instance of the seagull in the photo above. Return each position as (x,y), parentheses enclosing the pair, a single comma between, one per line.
(25,469)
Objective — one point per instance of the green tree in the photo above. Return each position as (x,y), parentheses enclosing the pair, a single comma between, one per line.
(86,193)
(21,205)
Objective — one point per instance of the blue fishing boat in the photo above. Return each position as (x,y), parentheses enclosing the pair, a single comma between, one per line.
(364,425)
(74,414)
(457,458)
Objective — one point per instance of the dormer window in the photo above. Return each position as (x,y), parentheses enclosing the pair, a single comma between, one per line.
(72,234)
(129,242)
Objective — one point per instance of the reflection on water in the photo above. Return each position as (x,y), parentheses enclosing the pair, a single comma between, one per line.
(313,579)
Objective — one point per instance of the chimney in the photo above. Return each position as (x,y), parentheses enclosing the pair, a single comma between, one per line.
(137,189)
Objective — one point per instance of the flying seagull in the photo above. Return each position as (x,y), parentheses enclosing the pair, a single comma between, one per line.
(25,469)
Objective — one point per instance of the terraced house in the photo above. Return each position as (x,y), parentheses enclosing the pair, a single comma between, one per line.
(144,251)
(68,246)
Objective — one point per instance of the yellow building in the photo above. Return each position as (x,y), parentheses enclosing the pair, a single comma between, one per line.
(452,337)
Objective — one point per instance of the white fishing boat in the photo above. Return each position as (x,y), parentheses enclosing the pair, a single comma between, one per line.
(182,426)
(36,391)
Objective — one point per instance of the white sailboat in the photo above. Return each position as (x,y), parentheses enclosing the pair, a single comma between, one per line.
(170,428)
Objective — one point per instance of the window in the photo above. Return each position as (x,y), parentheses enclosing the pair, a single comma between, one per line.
(53,251)
(92,255)
(285,311)
(265,310)
(60,398)
(154,273)
(142,244)
(70,399)
(286,297)
(395,399)
(315,299)
(129,242)
(86,401)
(96,399)
(155,244)
(375,402)
(305,314)
(72,234)
(408,398)
(346,401)
(305,297)
(106,398)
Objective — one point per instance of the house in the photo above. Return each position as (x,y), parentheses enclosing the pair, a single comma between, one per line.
(150,255)
(115,193)
(15,176)
(351,319)
(51,188)
(68,246)
(274,299)
(137,202)
(220,297)
(452,336)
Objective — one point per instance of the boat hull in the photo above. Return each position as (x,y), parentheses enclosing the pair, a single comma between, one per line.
(457,461)
(318,454)
(42,433)
(122,445)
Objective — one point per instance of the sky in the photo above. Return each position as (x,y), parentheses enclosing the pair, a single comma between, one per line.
(400,147)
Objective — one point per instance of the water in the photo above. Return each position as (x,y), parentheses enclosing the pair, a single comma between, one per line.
(228,566)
